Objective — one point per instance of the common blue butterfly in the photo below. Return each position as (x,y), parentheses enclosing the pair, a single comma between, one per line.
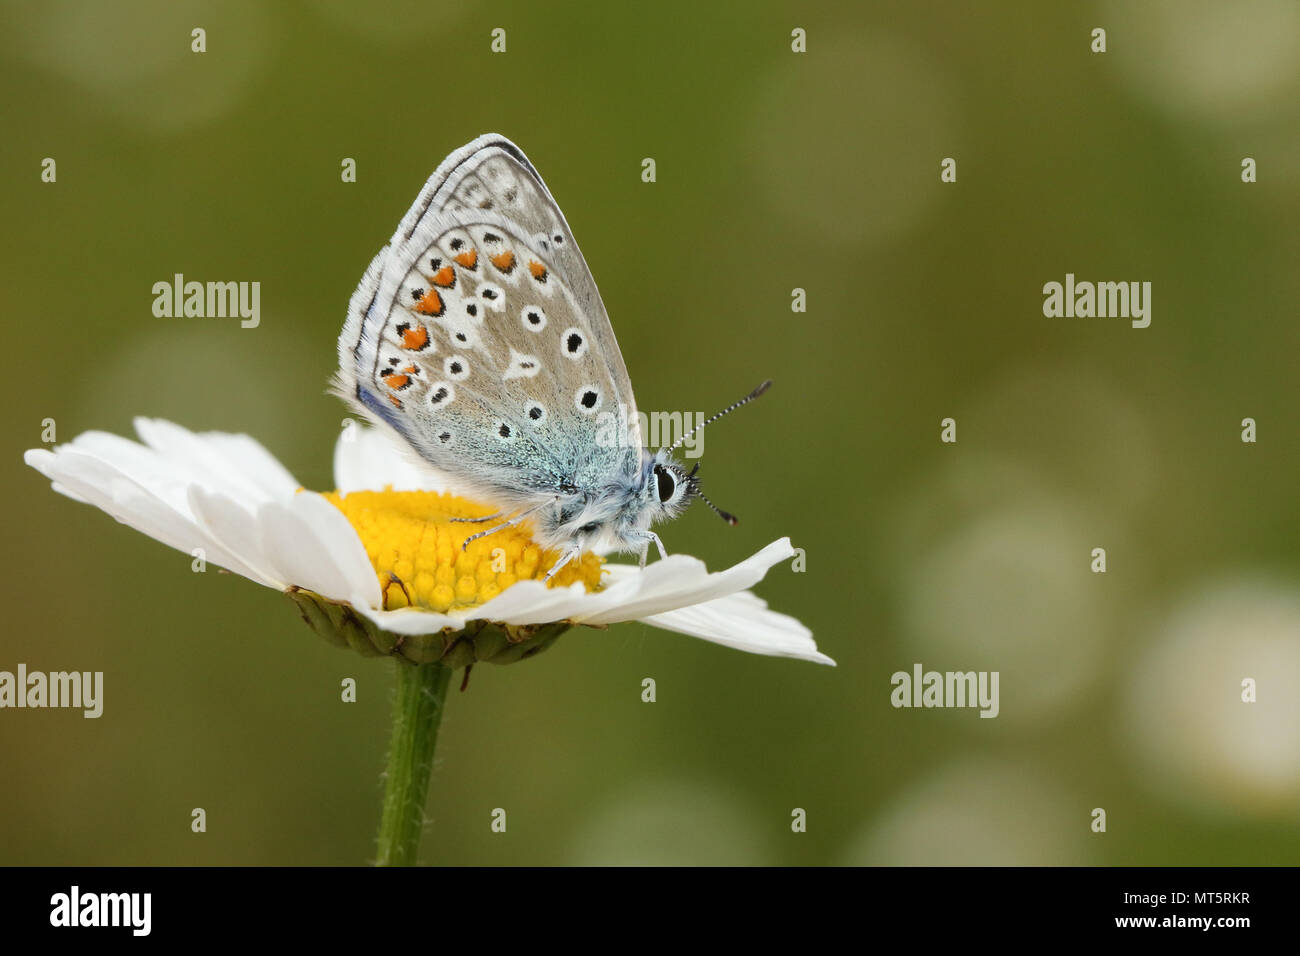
(477,335)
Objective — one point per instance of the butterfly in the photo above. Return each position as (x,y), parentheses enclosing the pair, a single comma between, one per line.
(478,336)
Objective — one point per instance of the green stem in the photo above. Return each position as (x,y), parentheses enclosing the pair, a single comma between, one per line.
(417,711)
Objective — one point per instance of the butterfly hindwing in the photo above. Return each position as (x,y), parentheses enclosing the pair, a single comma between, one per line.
(478,334)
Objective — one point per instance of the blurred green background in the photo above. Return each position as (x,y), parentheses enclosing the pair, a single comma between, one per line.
(776,170)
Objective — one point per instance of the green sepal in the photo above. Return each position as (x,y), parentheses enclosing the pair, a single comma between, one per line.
(478,642)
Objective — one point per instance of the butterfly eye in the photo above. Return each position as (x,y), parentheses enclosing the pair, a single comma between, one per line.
(667,485)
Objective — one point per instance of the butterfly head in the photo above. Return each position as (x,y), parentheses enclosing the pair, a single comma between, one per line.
(667,487)
(617,518)
(620,518)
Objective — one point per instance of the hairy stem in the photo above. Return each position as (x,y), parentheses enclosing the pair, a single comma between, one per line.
(417,712)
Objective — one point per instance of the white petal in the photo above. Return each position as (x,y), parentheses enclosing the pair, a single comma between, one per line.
(409,620)
(117,493)
(234,526)
(692,584)
(55,486)
(742,621)
(167,480)
(677,594)
(310,543)
(234,465)
(370,459)
(530,602)
(250,459)
(629,593)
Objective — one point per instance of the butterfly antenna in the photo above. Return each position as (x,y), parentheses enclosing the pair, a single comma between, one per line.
(709,421)
(726,516)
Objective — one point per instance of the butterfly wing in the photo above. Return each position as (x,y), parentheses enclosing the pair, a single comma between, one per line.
(478,334)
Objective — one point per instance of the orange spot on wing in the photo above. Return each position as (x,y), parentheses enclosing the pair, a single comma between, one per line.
(505,261)
(445,277)
(417,337)
(468,259)
(395,400)
(431,304)
(397,380)
(537,269)
(411,369)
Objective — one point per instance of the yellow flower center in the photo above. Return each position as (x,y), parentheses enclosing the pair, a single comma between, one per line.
(415,549)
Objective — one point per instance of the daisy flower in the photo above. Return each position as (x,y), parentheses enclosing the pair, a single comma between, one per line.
(378,565)
(382,564)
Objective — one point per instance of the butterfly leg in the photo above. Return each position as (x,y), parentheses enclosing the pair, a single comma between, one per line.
(651,537)
(394,579)
(501,527)
(658,544)
(564,559)
(496,514)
